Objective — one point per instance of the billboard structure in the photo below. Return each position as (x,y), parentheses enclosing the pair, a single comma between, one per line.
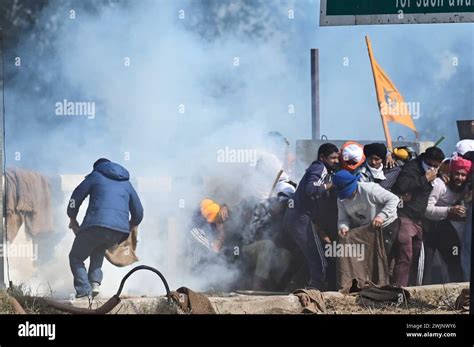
(362,12)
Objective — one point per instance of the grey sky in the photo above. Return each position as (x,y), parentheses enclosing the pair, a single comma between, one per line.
(191,61)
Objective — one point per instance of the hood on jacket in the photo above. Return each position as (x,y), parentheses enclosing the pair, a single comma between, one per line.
(113,171)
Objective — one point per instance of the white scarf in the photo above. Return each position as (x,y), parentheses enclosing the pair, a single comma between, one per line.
(425,166)
(377,173)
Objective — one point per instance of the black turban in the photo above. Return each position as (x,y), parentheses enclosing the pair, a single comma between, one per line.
(379,149)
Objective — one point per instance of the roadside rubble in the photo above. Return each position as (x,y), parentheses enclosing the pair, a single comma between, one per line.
(430,299)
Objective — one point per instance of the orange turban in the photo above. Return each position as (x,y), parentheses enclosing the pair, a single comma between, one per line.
(209,210)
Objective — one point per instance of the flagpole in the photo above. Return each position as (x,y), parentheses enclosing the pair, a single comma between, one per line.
(388,137)
(3,237)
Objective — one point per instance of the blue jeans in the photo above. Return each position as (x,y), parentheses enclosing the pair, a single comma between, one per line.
(93,243)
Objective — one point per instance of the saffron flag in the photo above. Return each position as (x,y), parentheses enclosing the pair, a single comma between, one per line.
(393,107)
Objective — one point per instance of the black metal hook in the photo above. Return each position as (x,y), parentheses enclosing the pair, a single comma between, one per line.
(145,267)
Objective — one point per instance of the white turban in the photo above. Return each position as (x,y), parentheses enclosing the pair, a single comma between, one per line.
(352,152)
(464,146)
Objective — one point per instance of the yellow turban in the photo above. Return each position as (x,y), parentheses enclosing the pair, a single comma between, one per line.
(209,210)
(401,153)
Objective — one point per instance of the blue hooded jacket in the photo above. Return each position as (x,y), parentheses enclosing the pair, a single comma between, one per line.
(112,199)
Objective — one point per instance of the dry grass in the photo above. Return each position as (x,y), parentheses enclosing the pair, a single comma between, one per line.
(5,306)
(30,302)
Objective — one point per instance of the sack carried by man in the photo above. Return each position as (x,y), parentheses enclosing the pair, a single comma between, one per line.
(123,254)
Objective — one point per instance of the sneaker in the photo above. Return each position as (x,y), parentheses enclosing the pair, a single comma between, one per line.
(81,299)
(95,289)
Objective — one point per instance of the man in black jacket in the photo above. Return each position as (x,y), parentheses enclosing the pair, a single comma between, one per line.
(414,185)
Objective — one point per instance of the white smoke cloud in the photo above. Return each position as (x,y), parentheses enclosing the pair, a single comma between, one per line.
(167,100)
(222,76)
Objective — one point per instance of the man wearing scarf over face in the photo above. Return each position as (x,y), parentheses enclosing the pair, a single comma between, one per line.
(374,169)
(414,185)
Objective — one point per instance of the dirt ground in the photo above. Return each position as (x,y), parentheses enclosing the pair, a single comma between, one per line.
(435,299)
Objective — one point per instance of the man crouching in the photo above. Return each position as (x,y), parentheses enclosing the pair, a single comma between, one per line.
(106,223)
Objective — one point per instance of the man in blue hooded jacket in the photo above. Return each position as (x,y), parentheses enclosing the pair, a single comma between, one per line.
(114,209)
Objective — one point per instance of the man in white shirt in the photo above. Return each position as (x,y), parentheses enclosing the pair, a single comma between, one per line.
(445,214)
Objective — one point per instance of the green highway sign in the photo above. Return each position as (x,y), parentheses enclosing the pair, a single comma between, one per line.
(359,12)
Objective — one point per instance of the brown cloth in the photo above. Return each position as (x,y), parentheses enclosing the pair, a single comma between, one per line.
(191,302)
(463,301)
(13,218)
(28,200)
(369,292)
(374,265)
(311,299)
(123,254)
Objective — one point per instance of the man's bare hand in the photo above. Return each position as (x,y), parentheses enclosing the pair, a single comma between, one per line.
(377,222)
(343,232)
(445,178)
(223,213)
(389,162)
(431,175)
(457,212)
(327,239)
(73,225)
(406,197)
(217,246)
